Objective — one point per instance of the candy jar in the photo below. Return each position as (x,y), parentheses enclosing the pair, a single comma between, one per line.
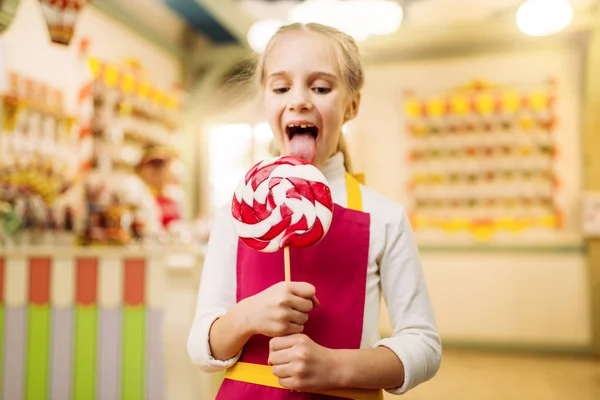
(137,227)
(68,226)
(51,225)
(11,223)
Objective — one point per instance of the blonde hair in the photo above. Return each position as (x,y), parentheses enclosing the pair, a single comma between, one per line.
(348,60)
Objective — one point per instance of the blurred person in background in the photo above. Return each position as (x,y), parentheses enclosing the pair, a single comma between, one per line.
(156,170)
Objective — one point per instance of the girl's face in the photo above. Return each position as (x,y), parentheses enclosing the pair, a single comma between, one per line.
(305,98)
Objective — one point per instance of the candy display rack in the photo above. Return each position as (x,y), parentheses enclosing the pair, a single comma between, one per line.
(40,160)
(482,161)
(126,114)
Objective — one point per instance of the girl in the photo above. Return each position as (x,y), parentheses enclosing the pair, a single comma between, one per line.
(318,336)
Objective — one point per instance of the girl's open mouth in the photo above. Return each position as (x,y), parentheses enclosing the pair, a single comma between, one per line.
(302,140)
(295,129)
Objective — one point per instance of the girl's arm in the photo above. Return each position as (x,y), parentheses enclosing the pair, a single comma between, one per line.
(415,339)
(216,296)
(412,354)
(229,333)
(379,368)
(301,364)
(399,363)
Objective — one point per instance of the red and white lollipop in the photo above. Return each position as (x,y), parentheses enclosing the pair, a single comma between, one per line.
(282,202)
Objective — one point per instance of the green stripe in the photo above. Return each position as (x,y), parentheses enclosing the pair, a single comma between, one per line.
(134,338)
(1,346)
(38,349)
(85,353)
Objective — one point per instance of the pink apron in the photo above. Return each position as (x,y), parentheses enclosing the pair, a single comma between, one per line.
(337,267)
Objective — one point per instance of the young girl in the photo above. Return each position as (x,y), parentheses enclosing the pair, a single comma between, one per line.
(318,336)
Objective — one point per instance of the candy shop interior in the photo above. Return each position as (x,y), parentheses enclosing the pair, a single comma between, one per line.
(125,124)
(98,236)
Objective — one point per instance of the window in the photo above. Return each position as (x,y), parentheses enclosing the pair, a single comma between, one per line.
(234,149)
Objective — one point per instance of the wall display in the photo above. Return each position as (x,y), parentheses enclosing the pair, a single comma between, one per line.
(47,155)
(128,114)
(482,160)
(39,158)
(125,114)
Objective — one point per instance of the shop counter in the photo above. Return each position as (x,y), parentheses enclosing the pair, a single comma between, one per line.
(86,323)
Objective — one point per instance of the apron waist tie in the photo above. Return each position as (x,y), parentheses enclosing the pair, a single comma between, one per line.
(261,375)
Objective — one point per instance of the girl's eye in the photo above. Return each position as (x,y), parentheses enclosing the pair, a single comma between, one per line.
(322,90)
(280,90)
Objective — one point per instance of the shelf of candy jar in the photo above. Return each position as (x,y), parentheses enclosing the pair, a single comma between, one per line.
(117,214)
(99,214)
(56,186)
(482,161)
(128,113)
(40,160)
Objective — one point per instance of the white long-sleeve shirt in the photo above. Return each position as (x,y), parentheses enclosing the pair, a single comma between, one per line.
(394,269)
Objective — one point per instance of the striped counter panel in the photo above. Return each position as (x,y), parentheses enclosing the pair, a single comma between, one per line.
(81,328)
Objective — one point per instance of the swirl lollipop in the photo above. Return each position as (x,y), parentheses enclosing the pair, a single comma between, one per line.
(282,202)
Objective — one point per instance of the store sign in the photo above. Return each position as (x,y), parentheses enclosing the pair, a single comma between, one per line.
(591,214)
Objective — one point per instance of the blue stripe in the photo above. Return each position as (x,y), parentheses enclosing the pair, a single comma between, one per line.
(201,20)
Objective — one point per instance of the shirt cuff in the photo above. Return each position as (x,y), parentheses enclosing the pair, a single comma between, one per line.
(199,347)
(409,350)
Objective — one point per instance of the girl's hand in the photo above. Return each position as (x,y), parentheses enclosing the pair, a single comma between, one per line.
(281,309)
(301,364)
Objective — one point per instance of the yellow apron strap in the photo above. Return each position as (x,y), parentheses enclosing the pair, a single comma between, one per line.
(354,196)
(261,375)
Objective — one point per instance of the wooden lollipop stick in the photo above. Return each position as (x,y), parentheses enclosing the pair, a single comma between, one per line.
(286,258)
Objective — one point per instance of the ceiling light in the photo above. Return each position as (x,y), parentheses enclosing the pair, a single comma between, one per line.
(387,17)
(544,17)
(261,32)
(358,18)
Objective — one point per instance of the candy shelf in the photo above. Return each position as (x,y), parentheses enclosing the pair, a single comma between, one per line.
(39,141)
(482,162)
(126,108)
(67,179)
(126,114)
(41,159)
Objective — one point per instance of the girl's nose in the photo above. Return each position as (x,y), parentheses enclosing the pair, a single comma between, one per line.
(299,103)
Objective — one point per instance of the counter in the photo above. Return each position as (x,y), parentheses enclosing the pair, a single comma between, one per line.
(88,323)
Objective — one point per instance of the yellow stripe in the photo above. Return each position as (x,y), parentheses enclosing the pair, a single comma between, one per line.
(354,196)
(261,375)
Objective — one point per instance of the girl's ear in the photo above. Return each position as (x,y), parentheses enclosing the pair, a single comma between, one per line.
(352,108)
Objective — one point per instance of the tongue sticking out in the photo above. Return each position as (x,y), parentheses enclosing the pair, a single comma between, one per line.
(303,146)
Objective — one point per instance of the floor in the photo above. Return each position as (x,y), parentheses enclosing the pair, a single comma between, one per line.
(471,375)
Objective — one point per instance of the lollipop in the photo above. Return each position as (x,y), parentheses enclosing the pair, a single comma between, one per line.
(282,202)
